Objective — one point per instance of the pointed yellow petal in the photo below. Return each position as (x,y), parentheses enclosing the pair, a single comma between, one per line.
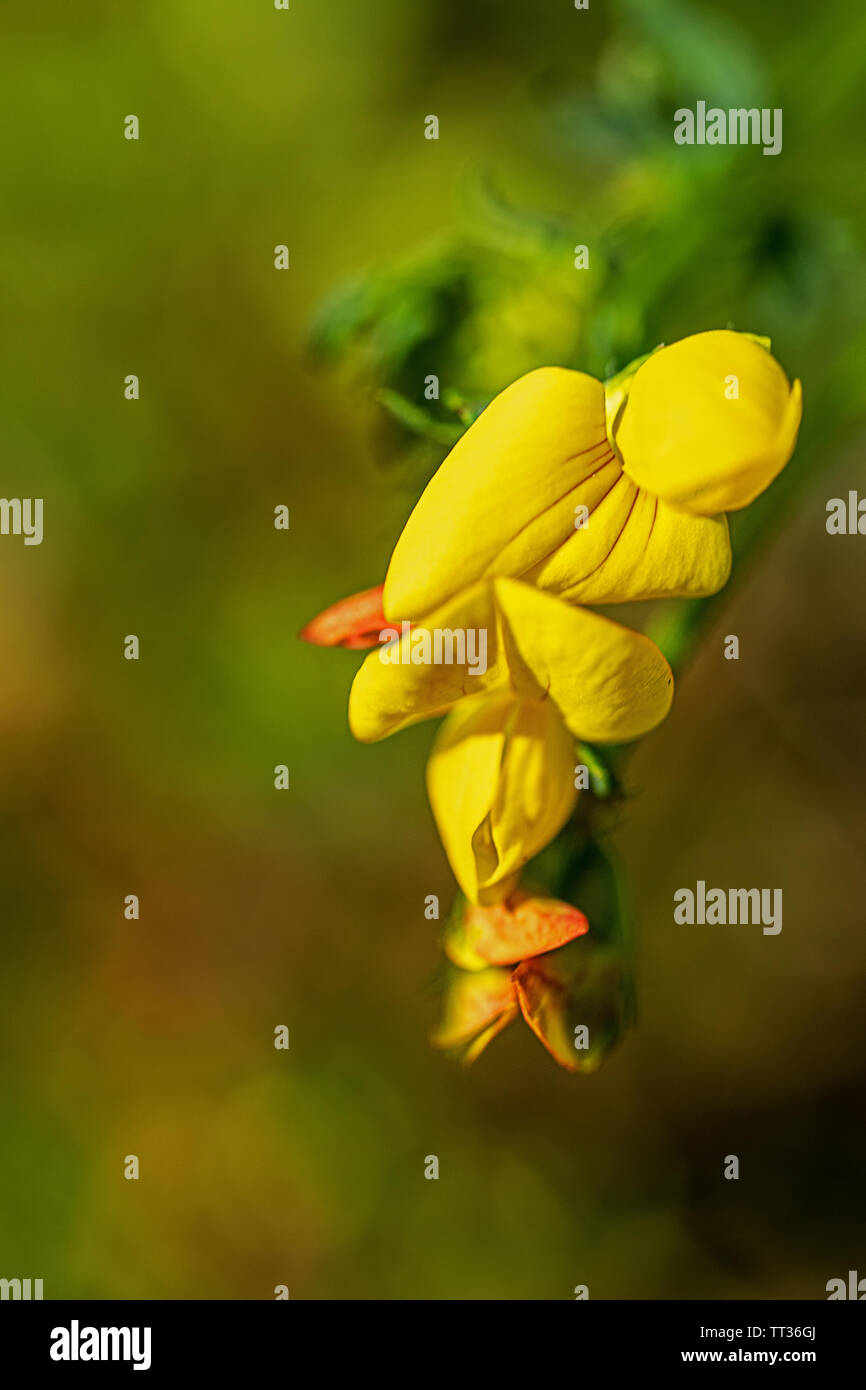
(709,422)
(501,785)
(505,489)
(402,684)
(610,684)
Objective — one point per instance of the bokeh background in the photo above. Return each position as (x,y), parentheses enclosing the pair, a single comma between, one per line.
(305,907)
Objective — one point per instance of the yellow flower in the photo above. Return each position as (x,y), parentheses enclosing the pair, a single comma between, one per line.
(603,500)
(500,777)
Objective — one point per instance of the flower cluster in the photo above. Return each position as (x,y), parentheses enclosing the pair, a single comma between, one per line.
(564,492)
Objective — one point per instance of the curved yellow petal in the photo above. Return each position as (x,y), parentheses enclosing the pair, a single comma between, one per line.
(610,684)
(635,546)
(709,422)
(395,686)
(501,785)
(502,499)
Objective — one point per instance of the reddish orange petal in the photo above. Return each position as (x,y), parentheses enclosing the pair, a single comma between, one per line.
(577,1001)
(543,1001)
(354,622)
(512,930)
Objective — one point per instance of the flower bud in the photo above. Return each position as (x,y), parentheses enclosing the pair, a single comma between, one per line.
(354,622)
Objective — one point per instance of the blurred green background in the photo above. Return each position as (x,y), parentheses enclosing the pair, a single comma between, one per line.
(305,907)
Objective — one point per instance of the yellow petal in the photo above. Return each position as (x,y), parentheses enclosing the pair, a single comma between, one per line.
(709,422)
(501,785)
(502,499)
(635,546)
(609,683)
(395,686)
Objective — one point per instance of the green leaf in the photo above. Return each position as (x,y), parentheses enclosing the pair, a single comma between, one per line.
(417,420)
